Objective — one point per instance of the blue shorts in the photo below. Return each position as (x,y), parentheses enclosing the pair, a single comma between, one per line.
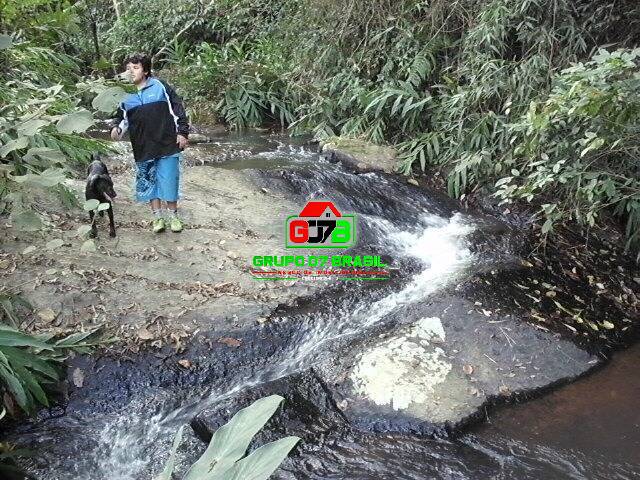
(158,178)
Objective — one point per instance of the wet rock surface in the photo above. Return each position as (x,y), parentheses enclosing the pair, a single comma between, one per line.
(364,367)
(435,374)
(359,155)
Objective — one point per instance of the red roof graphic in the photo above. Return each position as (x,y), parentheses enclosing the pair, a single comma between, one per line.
(316,209)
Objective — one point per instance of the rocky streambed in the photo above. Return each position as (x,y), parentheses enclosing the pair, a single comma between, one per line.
(381,379)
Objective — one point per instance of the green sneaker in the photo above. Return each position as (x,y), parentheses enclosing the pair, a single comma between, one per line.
(158,225)
(175,224)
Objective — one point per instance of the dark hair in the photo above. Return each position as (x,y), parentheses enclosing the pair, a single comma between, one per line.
(141,58)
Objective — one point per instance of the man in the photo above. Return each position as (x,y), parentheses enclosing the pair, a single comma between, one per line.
(159,131)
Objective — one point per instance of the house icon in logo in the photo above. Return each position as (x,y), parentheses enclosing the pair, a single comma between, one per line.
(320,225)
(320,209)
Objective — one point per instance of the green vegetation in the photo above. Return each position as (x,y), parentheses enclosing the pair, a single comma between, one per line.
(29,365)
(223,458)
(514,98)
(527,100)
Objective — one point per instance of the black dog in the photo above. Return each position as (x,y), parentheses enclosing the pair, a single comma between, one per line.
(100,187)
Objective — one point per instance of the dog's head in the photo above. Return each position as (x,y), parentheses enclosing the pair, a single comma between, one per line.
(99,179)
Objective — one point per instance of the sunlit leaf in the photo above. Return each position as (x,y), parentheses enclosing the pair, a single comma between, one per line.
(108,100)
(91,204)
(77,122)
(16,144)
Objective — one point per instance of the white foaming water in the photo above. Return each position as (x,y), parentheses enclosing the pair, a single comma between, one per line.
(129,444)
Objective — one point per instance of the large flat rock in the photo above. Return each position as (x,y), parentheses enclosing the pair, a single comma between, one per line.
(360,155)
(438,372)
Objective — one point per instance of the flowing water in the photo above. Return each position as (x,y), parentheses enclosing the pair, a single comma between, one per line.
(122,430)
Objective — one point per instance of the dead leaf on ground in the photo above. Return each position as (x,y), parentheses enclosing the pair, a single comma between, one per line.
(184,363)
(144,334)
(47,315)
(468,369)
(78,378)
(230,342)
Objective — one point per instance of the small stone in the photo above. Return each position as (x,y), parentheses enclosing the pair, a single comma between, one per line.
(47,314)
(232,255)
(230,342)
(468,369)
(413,181)
(78,377)
(184,363)
(144,334)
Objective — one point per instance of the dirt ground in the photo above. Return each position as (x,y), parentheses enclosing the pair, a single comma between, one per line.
(147,288)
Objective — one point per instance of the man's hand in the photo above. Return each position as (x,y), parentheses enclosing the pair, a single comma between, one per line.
(116,133)
(182,141)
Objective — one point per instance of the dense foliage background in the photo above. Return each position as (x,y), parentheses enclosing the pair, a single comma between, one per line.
(530,101)
(527,99)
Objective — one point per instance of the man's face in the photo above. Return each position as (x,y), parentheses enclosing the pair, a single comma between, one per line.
(136,71)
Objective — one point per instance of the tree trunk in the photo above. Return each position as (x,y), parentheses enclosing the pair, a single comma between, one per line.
(116,7)
(96,44)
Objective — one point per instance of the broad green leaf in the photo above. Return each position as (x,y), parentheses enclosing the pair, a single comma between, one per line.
(88,246)
(27,221)
(15,144)
(91,204)
(230,442)
(19,356)
(55,243)
(171,462)
(83,230)
(31,383)
(6,41)
(103,206)
(44,153)
(15,387)
(49,178)
(31,127)
(76,122)
(108,100)
(75,338)
(9,311)
(11,337)
(261,463)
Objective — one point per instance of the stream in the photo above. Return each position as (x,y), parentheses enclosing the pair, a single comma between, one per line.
(121,424)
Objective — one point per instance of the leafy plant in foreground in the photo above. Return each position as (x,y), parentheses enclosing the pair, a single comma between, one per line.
(223,458)
(29,364)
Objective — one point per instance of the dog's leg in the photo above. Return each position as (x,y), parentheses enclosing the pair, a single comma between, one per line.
(94,230)
(112,225)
